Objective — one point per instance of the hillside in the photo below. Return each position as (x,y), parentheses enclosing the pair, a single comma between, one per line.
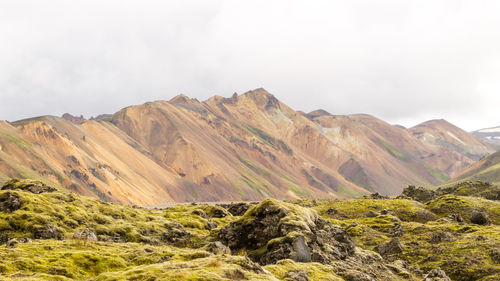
(487,169)
(246,147)
(48,233)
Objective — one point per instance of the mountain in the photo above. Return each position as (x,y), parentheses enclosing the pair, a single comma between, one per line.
(490,135)
(246,147)
(487,169)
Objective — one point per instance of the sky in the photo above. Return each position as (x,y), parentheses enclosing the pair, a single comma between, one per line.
(402,61)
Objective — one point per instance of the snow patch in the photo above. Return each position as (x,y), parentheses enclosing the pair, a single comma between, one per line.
(455,137)
(490,130)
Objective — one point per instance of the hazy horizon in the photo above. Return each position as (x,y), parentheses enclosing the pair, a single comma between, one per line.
(404,62)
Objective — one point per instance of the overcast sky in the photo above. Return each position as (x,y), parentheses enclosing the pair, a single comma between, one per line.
(402,61)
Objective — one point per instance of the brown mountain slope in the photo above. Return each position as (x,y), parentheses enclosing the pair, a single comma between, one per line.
(246,147)
(487,169)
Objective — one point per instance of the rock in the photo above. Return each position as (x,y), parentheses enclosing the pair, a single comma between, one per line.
(456,217)
(238,209)
(397,230)
(211,225)
(441,237)
(392,247)
(332,212)
(384,212)
(357,276)
(32,186)
(375,195)
(14,241)
(298,275)
(436,274)
(495,255)
(420,194)
(176,235)
(48,232)
(219,213)
(85,235)
(371,214)
(200,213)
(217,248)
(287,231)
(296,249)
(480,217)
(10,202)
(3,238)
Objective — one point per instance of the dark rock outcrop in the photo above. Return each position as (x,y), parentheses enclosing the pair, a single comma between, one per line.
(274,230)
(176,235)
(479,217)
(32,186)
(436,274)
(392,247)
(9,202)
(47,232)
(85,235)
(238,209)
(420,194)
(298,275)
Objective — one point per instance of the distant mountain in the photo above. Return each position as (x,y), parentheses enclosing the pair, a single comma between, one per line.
(487,169)
(245,147)
(490,135)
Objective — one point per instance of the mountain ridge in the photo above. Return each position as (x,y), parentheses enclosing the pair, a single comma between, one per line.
(244,147)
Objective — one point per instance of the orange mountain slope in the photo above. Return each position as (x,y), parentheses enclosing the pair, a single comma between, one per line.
(246,147)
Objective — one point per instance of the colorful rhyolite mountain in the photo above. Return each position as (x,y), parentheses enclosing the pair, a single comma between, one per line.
(246,147)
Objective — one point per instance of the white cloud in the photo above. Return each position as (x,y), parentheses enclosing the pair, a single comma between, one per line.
(403,61)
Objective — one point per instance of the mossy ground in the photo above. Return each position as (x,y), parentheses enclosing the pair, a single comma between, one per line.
(135,249)
(464,255)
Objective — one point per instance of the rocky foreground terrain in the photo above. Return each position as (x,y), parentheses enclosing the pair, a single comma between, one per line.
(449,233)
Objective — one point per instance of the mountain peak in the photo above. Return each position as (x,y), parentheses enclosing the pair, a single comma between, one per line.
(261,97)
(181,99)
(318,113)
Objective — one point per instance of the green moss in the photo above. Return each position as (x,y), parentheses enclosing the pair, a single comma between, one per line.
(463,205)
(437,174)
(265,137)
(314,271)
(392,150)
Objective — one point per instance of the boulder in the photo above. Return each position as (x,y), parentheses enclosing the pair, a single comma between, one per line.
(441,237)
(32,186)
(375,195)
(297,275)
(10,202)
(211,225)
(14,241)
(219,212)
(217,248)
(176,235)
(47,231)
(436,274)
(85,235)
(274,230)
(479,217)
(392,247)
(371,214)
(420,194)
(238,209)
(456,217)
(200,213)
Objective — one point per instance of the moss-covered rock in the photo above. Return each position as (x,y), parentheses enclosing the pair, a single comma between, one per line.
(32,186)
(275,230)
